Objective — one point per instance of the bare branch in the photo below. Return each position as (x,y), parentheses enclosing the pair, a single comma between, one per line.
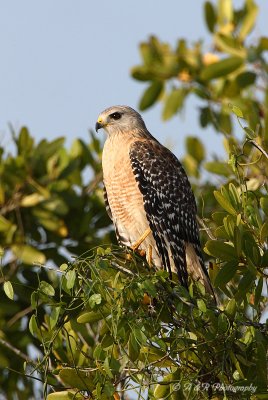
(19,353)
(259,148)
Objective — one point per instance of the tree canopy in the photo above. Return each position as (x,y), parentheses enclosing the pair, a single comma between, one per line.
(81,318)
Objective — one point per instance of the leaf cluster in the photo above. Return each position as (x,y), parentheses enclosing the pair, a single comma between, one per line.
(233,71)
(51,207)
(114,327)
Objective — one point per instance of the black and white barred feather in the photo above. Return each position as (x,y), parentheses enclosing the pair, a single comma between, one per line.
(169,204)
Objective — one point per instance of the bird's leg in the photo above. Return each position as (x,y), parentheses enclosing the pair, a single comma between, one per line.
(141,239)
(150,255)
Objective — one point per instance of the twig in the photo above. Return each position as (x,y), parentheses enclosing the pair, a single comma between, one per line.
(13,266)
(122,269)
(19,315)
(258,147)
(12,204)
(18,352)
(206,228)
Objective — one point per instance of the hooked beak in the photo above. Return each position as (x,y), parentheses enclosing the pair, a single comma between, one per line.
(98,126)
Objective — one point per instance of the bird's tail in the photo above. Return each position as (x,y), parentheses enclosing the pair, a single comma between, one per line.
(196,269)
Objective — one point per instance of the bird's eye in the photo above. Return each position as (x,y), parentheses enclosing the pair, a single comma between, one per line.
(115,115)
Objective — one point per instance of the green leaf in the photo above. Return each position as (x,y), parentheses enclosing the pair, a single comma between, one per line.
(229,226)
(34,299)
(245,79)
(223,323)
(210,16)
(229,44)
(238,235)
(248,21)
(47,219)
(140,336)
(107,341)
(224,203)
(5,224)
(55,313)
(46,288)
(63,267)
(133,347)
(236,110)
(191,166)
(218,167)
(149,287)
(70,278)
(205,116)
(220,233)
(28,254)
(142,73)
(263,44)
(264,231)
(225,274)
(75,378)
(153,354)
(201,305)
(92,316)
(8,289)
(46,149)
(109,390)
(250,133)
(94,300)
(173,103)
(33,328)
(264,205)
(236,363)
(220,250)
(151,95)
(65,395)
(218,217)
(147,53)
(56,205)
(230,308)
(162,390)
(225,12)
(106,367)
(234,195)
(221,68)
(258,291)
(25,141)
(195,148)
(31,200)
(245,283)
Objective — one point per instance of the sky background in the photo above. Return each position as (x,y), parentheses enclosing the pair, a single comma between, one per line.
(64,61)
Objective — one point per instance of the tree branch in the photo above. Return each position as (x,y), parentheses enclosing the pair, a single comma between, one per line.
(255,144)
(18,352)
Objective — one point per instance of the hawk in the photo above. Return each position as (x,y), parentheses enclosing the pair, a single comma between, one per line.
(148,196)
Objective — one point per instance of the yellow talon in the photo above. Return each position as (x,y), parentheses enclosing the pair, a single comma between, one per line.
(150,255)
(141,239)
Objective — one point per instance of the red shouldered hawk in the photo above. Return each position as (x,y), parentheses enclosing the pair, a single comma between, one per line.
(148,196)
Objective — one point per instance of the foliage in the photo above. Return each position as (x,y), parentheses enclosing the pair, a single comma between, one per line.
(102,338)
(106,325)
(51,209)
(234,71)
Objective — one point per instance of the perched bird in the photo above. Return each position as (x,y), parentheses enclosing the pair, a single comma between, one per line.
(148,196)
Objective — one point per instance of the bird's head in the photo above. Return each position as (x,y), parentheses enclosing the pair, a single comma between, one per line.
(120,119)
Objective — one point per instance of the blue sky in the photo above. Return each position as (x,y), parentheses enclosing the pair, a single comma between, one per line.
(64,61)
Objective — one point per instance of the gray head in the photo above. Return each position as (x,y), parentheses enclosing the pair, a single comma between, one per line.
(121,119)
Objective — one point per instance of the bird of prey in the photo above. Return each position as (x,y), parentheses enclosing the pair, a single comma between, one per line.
(148,196)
